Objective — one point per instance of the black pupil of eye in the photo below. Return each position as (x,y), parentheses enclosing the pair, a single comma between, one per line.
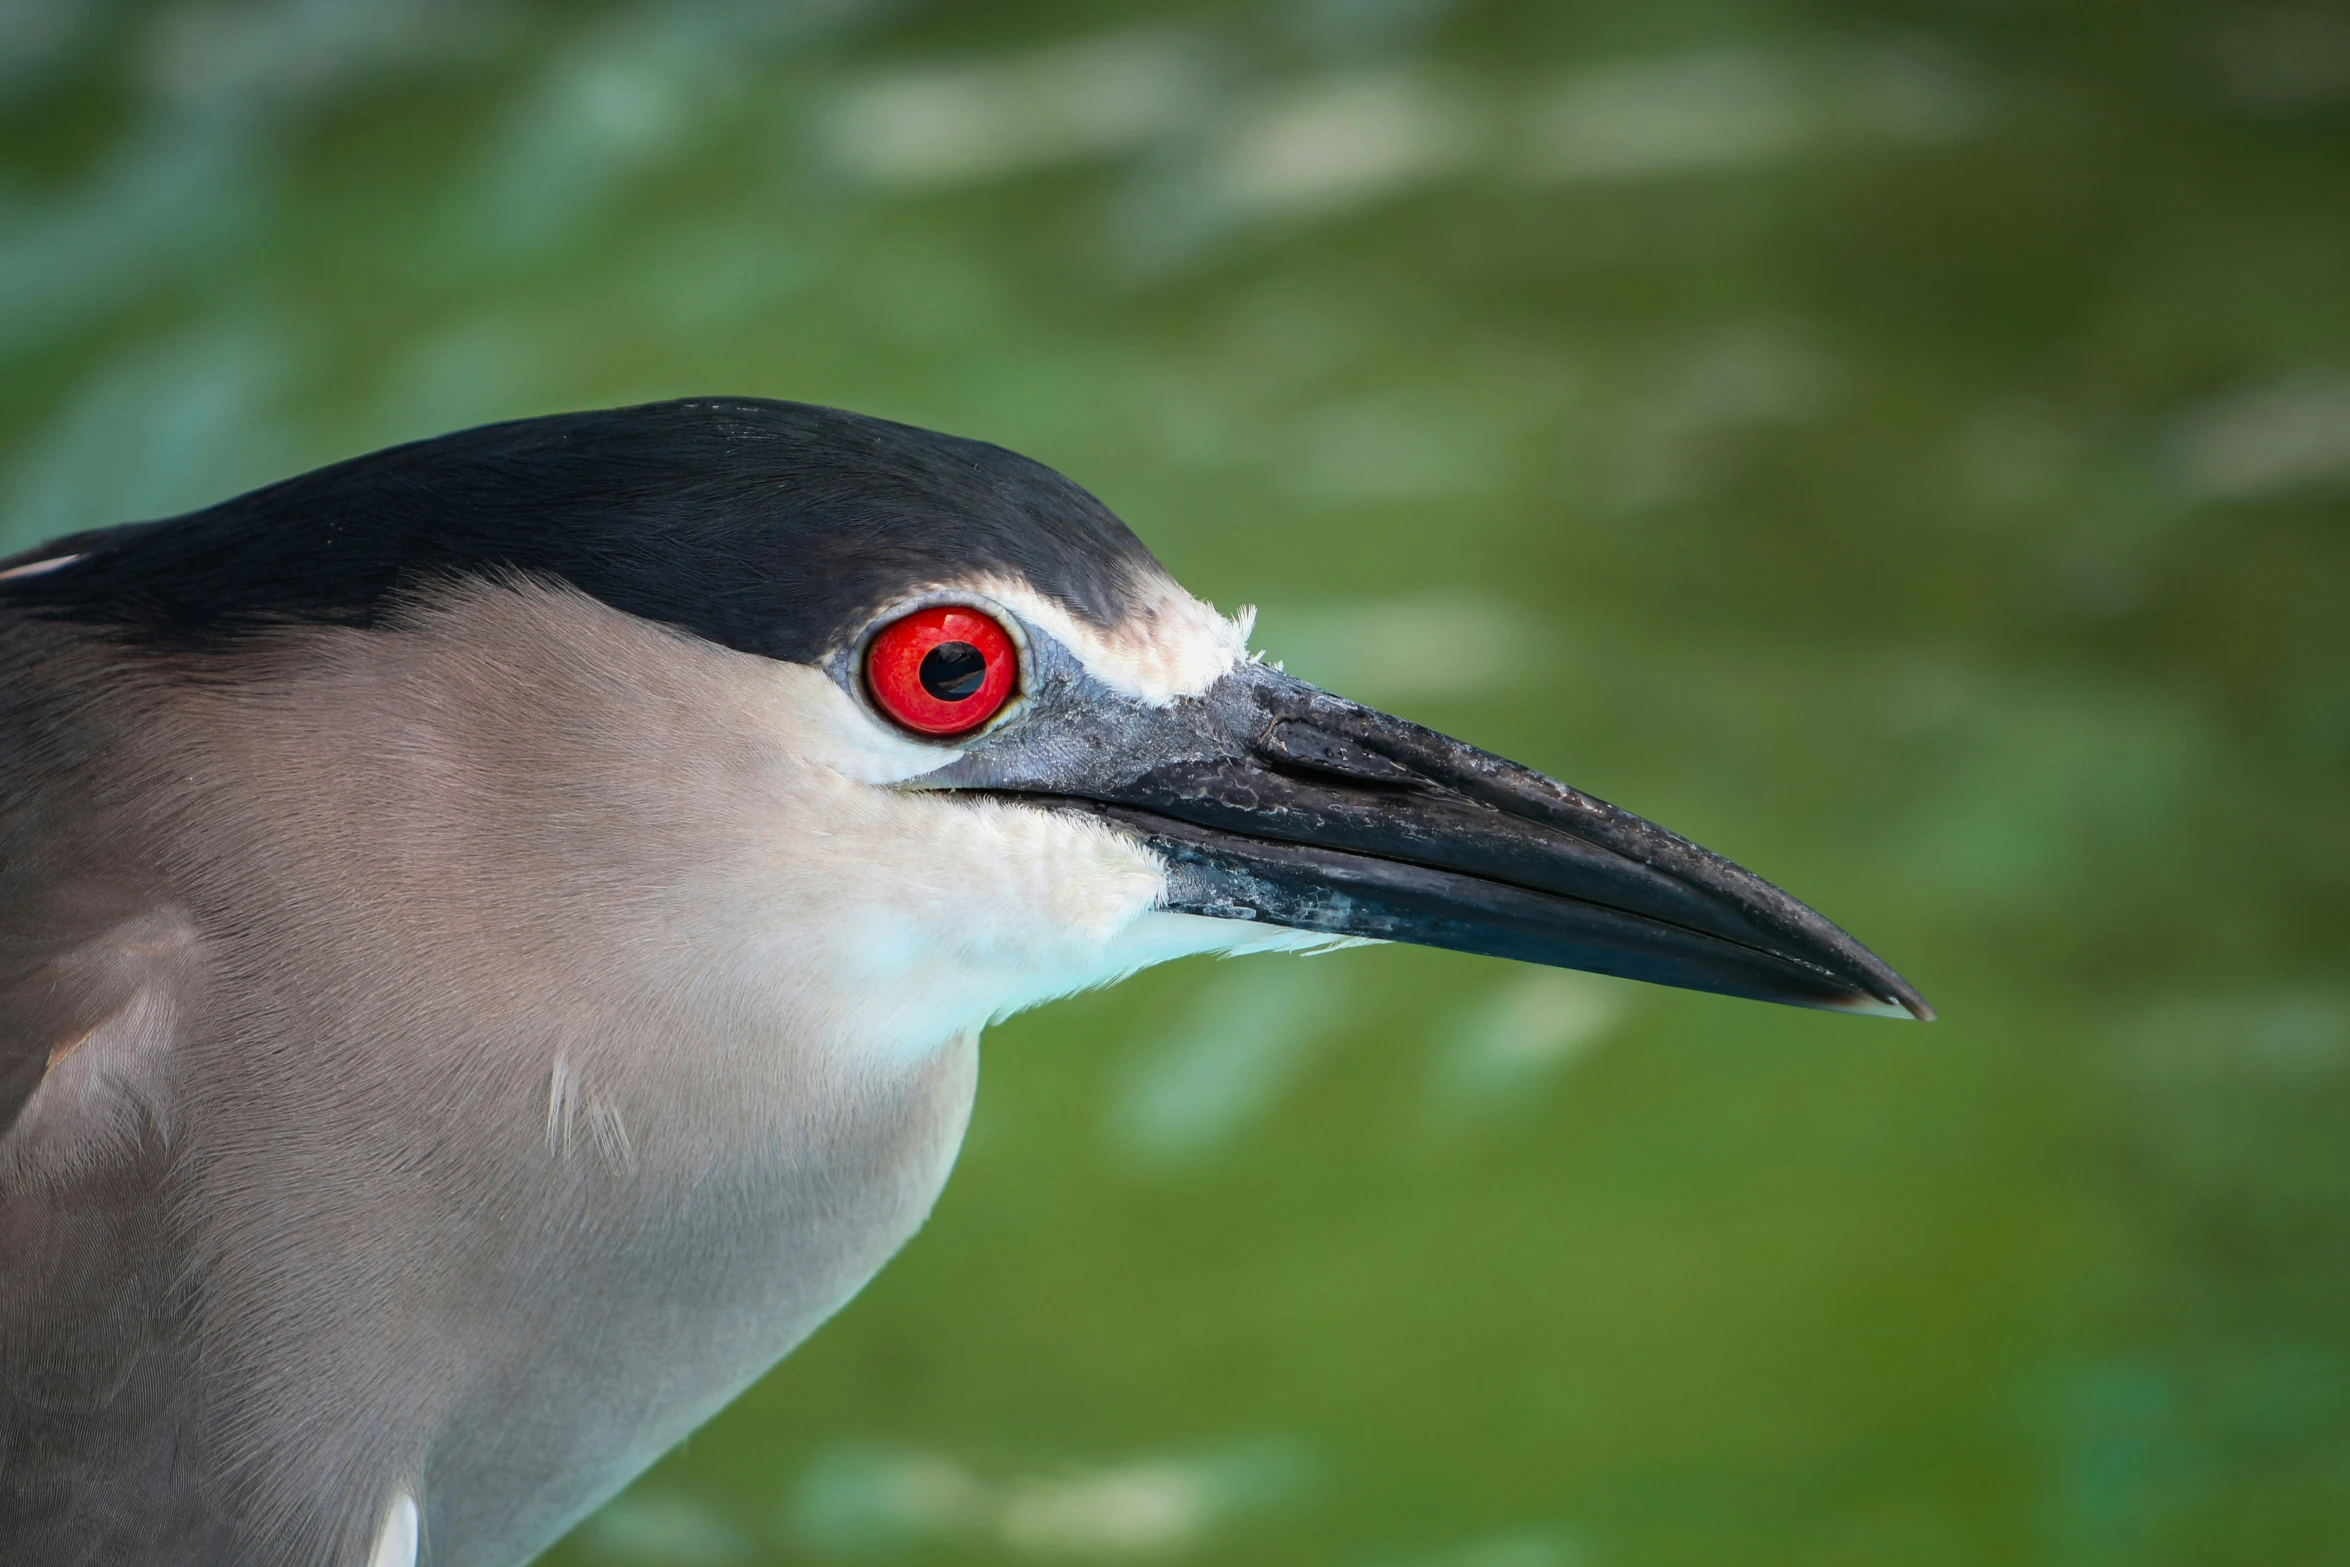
(953,671)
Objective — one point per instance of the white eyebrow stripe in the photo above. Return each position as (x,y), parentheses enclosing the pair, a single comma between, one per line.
(396,1540)
(1176,646)
(35,568)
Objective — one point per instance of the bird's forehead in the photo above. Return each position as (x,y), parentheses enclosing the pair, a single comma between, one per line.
(1166,646)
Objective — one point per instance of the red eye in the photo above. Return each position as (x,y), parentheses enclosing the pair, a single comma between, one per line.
(942,671)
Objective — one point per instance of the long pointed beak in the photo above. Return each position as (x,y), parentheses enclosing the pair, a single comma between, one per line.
(1272,800)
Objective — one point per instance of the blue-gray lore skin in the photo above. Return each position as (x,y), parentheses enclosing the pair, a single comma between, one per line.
(494,936)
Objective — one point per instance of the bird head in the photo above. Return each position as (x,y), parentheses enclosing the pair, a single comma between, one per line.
(1023,760)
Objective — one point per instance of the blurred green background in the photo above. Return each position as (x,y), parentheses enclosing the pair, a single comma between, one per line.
(1903,446)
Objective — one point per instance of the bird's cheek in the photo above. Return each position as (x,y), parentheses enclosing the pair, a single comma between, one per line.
(1093,885)
(1007,885)
(820,726)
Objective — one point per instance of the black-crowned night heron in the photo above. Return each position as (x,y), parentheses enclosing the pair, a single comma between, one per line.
(494,937)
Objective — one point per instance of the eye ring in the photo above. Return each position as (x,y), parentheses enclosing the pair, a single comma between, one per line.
(942,670)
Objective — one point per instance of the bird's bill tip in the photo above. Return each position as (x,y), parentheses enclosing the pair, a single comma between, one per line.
(1907,1008)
